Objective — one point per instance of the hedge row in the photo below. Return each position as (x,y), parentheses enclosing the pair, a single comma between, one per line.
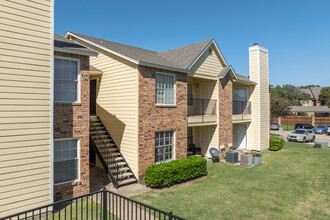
(176,171)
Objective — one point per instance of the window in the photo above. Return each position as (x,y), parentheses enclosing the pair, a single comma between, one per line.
(164,146)
(66,80)
(165,89)
(66,160)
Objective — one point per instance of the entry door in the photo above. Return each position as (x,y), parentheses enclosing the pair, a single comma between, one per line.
(205,96)
(92,98)
(205,139)
(240,136)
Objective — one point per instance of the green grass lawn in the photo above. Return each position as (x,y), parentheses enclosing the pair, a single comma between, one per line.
(287,127)
(290,184)
(80,209)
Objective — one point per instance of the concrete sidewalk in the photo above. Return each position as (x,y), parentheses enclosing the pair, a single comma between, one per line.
(99,179)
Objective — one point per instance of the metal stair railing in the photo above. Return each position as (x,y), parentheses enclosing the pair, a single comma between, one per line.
(109,163)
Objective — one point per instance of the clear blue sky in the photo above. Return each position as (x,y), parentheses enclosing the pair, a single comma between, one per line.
(296,32)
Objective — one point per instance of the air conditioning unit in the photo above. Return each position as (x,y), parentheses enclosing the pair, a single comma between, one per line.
(257,159)
(322,145)
(247,160)
(232,157)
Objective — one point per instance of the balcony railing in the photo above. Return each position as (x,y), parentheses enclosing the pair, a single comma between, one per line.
(101,205)
(241,107)
(198,106)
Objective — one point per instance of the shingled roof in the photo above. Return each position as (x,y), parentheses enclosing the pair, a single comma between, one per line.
(179,58)
(314,92)
(62,44)
(317,109)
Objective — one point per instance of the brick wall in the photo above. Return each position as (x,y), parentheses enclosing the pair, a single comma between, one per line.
(225,113)
(154,118)
(72,120)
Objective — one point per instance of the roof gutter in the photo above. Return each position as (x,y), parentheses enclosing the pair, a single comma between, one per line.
(245,82)
(162,67)
(73,51)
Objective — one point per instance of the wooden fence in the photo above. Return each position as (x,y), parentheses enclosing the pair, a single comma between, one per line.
(292,120)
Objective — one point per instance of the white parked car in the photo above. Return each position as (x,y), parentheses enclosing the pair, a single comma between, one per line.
(302,135)
(329,130)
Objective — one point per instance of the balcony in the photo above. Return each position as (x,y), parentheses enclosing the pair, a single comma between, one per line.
(241,111)
(202,111)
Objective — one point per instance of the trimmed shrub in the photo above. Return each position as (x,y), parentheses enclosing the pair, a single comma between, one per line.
(276,143)
(176,171)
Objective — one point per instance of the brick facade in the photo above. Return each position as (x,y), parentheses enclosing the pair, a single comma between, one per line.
(154,118)
(72,120)
(225,112)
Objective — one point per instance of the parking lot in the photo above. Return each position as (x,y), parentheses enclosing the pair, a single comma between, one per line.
(318,137)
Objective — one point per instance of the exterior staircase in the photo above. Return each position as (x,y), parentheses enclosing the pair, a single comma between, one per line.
(107,151)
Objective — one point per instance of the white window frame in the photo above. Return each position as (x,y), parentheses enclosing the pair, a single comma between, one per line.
(173,149)
(78,157)
(174,87)
(78,78)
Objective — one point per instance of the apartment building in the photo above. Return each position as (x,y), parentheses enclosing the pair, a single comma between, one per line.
(160,106)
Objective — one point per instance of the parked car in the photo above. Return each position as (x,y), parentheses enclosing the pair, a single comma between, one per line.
(321,129)
(329,130)
(303,126)
(302,135)
(274,126)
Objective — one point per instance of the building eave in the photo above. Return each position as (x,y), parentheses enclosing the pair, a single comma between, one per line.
(73,51)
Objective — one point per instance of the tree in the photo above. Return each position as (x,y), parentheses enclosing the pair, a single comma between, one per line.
(325,96)
(279,107)
(293,94)
(308,86)
(305,96)
(278,92)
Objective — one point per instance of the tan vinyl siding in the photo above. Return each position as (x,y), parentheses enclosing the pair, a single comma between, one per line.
(117,103)
(25,96)
(264,100)
(208,65)
(253,135)
(259,128)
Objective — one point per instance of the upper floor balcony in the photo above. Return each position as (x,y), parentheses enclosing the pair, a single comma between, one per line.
(202,111)
(241,111)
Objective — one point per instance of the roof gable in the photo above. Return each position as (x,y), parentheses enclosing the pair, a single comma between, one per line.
(62,44)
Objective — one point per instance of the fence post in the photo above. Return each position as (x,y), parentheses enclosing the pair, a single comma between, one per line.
(170,215)
(104,195)
(279,120)
(313,119)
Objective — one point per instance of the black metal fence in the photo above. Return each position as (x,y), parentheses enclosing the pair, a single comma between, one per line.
(241,107)
(102,205)
(198,106)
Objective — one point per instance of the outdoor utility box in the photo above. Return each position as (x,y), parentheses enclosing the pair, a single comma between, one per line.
(247,160)
(257,159)
(322,145)
(232,157)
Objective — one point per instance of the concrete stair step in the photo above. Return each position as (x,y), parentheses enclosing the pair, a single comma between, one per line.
(125,175)
(126,181)
(98,132)
(121,163)
(120,170)
(119,159)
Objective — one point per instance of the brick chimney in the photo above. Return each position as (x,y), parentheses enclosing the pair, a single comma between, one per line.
(258,56)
